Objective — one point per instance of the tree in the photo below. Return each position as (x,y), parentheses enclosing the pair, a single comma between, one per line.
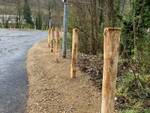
(19,14)
(51,6)
(38,21)
(83,12)
(94,27)
(27,13)
(135,26)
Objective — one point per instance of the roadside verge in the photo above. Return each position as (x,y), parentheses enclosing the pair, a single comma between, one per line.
(50,88)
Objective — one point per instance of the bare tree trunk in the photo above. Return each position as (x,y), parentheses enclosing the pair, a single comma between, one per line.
(19,13)
(122,5)
(94,27)
(110,16)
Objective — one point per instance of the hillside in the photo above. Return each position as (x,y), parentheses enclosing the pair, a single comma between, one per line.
(9,6)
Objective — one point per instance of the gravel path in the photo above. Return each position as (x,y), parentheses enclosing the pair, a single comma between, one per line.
(50,88)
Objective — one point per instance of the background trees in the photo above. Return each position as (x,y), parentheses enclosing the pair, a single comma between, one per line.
(27,13)
(86,16)
(19,14)
(91,16)
(134,19)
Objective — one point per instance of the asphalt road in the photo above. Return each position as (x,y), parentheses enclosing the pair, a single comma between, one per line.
(14,45)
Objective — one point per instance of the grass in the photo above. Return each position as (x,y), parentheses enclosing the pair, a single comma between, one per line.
(135,95)
(135,111)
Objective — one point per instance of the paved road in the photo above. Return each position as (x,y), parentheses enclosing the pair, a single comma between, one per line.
(13,80)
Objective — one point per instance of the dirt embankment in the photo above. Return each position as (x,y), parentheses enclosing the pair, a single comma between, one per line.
(50,88)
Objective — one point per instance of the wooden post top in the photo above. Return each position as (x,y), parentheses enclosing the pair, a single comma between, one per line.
(76,29)
(112,28)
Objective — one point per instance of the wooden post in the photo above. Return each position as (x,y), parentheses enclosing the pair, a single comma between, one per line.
(74,53)
(57,44)
(52,40)
(49,37)
(111,53)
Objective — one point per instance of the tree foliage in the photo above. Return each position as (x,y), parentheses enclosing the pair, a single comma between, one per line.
(38,21)
(27,13)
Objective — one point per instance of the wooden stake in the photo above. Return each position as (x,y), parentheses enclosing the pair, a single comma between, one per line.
(52,40)
(57,44)
(74,53)
(111,53)
(49,37)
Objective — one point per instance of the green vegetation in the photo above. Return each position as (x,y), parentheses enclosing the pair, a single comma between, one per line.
(27,13)
(133,84)
(30,13)
(38,21)
(91,17)
(135,111)
(133,93)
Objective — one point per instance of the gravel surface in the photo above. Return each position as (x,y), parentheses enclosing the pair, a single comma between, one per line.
(51,90)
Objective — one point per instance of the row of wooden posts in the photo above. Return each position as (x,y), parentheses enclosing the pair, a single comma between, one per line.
(111,54)
(54,37)
(54,42)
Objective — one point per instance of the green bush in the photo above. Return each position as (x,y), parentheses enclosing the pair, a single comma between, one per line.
(129,111)
(135,111)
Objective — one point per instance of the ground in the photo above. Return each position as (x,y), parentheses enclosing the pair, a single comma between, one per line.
(14,45)
(51,90)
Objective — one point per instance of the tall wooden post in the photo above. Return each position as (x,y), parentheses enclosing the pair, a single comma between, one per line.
(49,37)
(74,53)
(111,53)
(57,44)
(52,40)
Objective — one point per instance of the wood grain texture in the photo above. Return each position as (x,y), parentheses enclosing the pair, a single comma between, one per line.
(74,53)
(57,44)
(111,53)
(52,40)
(49,37)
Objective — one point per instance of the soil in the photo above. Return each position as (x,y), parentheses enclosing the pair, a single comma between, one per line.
(51,90)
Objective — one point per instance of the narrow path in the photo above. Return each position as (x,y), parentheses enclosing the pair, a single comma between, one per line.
(50,88)
(13,80)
